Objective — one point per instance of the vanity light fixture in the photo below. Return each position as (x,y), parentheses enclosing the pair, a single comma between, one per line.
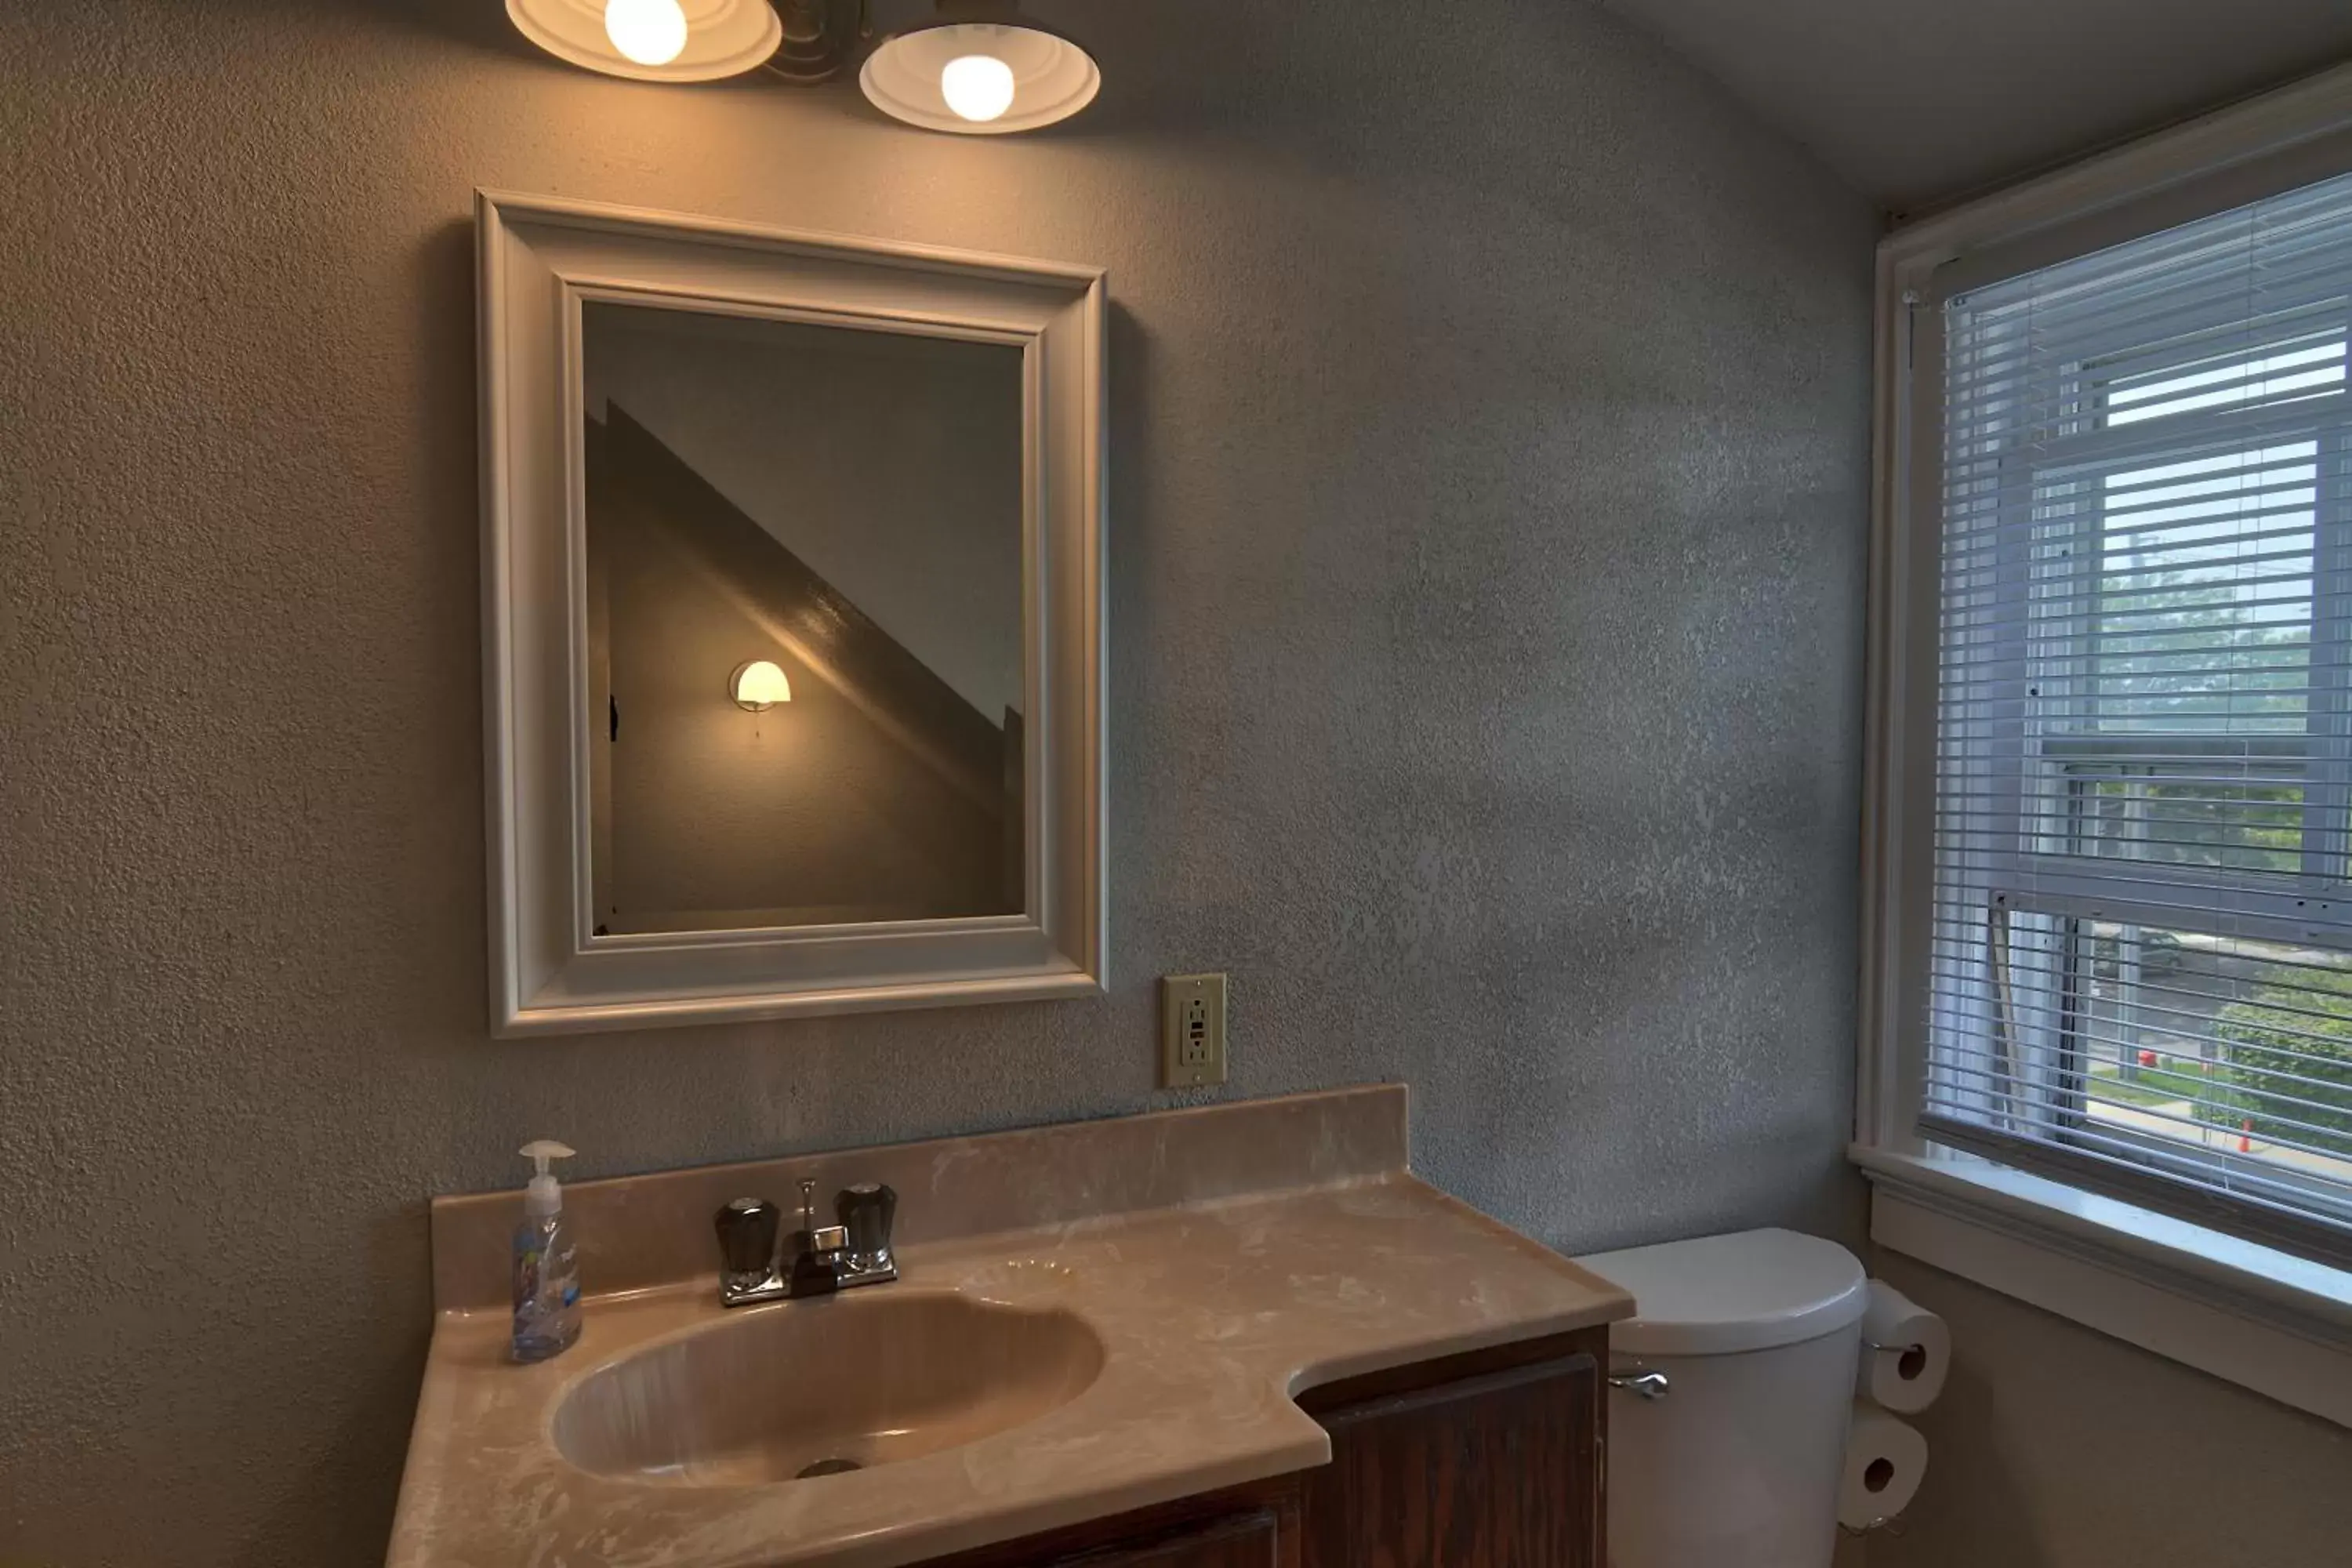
(976,68)
(758,686)
(979,68)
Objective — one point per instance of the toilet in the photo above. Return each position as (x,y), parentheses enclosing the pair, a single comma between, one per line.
(1733,1460)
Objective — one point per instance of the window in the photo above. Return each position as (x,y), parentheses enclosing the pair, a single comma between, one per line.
(2138,959)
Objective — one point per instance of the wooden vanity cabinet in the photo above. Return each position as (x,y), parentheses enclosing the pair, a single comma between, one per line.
(1492,1460)
(1249,1527)
(1248,1541)
(1488,1460)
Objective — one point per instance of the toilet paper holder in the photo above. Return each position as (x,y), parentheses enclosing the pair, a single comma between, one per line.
(1878,1526)
(1892,1524)
(1909,1368)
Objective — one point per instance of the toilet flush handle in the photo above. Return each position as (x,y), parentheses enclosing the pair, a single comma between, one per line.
(1641,1384)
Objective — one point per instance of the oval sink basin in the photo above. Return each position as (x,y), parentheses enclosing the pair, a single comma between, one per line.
(813,1388)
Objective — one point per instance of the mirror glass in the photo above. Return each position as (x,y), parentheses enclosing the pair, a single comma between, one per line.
(805,648)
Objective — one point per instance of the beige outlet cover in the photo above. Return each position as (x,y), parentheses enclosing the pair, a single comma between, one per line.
(1192,1030)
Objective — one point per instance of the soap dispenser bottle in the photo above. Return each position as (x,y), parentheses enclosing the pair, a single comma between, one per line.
(546,1274)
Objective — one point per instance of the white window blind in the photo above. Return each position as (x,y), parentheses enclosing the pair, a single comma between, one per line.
(2141,977)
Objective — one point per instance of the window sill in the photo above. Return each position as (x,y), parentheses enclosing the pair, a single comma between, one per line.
(2267,1320)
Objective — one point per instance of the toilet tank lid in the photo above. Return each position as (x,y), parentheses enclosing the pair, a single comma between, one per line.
(1749,1290)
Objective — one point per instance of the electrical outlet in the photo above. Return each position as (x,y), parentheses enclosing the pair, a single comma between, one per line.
(1192,1030)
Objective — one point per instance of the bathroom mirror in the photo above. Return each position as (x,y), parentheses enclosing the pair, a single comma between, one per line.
(793,610)
(804,617)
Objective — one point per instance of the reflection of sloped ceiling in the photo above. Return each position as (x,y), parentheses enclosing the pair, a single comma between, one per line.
(888,464)
(1915,101)
(807,615)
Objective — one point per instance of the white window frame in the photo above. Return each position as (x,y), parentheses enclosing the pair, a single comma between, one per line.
(2276,1324)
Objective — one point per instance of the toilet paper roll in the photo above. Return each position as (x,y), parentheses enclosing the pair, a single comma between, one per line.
(1907,1374)
(1885,1460)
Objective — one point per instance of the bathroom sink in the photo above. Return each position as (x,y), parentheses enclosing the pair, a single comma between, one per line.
(806,1389)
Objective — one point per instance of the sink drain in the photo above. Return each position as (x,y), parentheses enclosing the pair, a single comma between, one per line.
(829,1468)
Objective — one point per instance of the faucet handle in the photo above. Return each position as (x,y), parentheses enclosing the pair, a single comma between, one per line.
(747,1235)
(867,1212)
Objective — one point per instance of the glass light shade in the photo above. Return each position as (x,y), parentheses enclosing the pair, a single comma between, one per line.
(758,686)
(907,76)
(723,38)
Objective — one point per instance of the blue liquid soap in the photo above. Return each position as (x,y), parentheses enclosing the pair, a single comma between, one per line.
(546,1269)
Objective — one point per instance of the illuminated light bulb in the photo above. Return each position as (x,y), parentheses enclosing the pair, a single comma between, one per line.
(759,686)
(977,87)
(647,32)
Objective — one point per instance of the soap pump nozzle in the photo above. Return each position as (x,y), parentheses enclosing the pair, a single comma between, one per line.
(544,1196)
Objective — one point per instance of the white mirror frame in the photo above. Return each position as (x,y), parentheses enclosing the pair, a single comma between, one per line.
(540,258)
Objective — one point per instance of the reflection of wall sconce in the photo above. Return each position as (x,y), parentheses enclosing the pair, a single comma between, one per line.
(758,686)
(977,66)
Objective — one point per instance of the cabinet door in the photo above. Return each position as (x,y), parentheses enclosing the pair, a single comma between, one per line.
(1252,1540)
(1497,1471)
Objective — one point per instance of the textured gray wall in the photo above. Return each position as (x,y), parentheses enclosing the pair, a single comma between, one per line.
(1487,495)
(2055,1447)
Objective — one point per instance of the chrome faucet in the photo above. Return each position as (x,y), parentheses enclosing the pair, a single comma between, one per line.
(815,1260)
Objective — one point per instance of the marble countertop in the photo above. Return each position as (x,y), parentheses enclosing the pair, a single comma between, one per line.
(1211,1312)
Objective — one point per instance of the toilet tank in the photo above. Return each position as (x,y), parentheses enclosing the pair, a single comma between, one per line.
(1737,1463)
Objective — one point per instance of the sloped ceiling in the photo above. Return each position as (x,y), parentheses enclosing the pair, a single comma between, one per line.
(1916,101)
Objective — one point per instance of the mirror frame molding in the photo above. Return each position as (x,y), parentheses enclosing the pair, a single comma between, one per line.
(539,258)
